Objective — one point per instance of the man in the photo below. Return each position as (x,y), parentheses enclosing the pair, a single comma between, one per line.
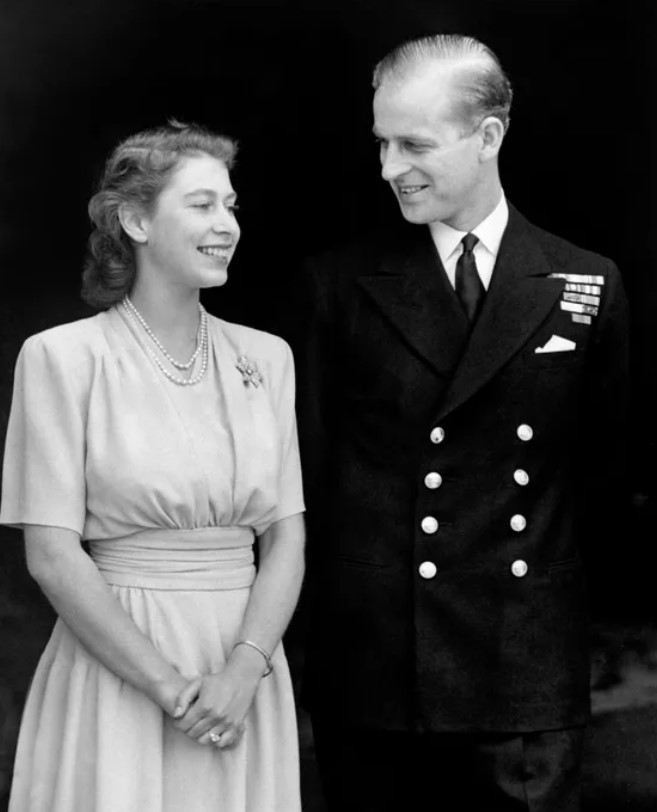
(464,391)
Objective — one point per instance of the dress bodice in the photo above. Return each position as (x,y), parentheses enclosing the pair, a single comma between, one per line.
(101,442)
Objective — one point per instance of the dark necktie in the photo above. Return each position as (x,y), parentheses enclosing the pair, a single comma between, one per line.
(469,287)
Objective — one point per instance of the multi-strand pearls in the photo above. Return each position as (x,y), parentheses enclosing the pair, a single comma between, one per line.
(202,346)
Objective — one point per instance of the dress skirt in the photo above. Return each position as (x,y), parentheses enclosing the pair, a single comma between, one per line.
(90,742)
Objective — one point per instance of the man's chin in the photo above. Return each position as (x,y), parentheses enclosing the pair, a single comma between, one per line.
(415,214)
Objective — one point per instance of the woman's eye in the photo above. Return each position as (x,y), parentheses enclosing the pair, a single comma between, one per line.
(204,206)
(233,208)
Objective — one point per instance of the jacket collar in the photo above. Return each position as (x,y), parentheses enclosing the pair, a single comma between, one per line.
(411,288)
(520,298)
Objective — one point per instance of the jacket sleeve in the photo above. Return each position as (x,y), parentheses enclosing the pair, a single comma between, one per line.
(605,421)
(317,380)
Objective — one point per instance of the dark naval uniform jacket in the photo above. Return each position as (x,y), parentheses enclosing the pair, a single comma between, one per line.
(448,477)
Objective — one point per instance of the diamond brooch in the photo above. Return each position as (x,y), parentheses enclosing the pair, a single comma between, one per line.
(249,370)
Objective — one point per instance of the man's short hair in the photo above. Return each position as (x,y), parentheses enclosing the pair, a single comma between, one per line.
(481,87)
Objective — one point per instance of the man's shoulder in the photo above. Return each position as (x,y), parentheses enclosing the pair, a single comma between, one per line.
(364,253)
(350,252)
(566,256)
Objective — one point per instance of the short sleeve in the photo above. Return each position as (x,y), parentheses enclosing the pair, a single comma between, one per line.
(290,487)
(43,473)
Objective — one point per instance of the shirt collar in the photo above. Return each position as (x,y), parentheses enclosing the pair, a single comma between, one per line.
(489,231)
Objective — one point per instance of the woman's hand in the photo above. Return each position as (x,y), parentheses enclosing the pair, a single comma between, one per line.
(217,704)
(86,604)
(176,695)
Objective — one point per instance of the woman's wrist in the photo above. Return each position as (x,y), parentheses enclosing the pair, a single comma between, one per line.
(249,661)
(166,689)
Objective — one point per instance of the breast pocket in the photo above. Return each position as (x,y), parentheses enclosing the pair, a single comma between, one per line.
(564,360)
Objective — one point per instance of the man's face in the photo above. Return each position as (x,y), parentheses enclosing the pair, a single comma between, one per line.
(435,171)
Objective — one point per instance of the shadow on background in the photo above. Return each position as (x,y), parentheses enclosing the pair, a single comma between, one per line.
(292,81)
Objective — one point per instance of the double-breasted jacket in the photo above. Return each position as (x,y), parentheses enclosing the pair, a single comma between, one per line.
(449,473)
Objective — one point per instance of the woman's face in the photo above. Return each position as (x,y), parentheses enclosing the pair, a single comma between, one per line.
(191,235)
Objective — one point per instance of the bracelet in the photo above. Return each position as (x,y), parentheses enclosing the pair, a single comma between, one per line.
(270,665)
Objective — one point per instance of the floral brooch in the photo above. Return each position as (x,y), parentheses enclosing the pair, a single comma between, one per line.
(249,369)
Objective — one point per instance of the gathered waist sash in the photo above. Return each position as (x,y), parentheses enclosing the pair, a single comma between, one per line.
(208,558)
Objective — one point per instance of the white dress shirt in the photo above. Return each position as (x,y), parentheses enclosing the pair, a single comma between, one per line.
(448,243)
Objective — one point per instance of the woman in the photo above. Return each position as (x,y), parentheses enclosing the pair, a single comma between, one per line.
(165,438)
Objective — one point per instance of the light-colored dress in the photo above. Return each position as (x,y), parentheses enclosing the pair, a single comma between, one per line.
(169,484)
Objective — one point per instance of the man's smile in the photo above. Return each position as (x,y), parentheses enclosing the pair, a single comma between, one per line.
(408,190)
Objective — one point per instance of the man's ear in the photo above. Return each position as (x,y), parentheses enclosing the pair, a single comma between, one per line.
(491,130)
(134,222)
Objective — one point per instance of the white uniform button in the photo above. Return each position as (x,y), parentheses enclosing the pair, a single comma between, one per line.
(519,568)
(429,524)
(518,522)
(433,480)
(437,435)
(428,569)
(525,432)
(521,477)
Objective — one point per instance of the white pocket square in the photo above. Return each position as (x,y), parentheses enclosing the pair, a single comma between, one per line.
(557,344)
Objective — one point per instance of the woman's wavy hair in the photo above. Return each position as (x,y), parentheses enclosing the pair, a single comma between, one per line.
(135,174)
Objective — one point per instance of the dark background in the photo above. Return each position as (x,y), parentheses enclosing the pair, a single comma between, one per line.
(291,80)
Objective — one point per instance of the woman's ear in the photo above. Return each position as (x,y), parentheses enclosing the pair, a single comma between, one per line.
(134,222)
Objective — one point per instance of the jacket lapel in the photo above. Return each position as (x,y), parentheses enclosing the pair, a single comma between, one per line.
(410,287)
(518,301)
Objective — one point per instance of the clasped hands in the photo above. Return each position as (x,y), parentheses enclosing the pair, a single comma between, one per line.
(211,708)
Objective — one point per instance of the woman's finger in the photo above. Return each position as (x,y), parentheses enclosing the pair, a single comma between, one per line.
(204,726)
(230,738)
(224,737)
(213,736)
(188,695)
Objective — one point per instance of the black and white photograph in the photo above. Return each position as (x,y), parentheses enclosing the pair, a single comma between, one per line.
(328,397)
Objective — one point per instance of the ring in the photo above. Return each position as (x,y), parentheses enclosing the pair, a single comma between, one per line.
(214,737)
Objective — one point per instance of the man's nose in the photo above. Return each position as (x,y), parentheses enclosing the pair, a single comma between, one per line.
(392,163)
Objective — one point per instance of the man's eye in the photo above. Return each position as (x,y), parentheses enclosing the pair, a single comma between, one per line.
(204,206)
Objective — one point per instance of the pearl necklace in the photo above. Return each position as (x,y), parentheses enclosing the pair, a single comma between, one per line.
(202,346)
(199,334)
